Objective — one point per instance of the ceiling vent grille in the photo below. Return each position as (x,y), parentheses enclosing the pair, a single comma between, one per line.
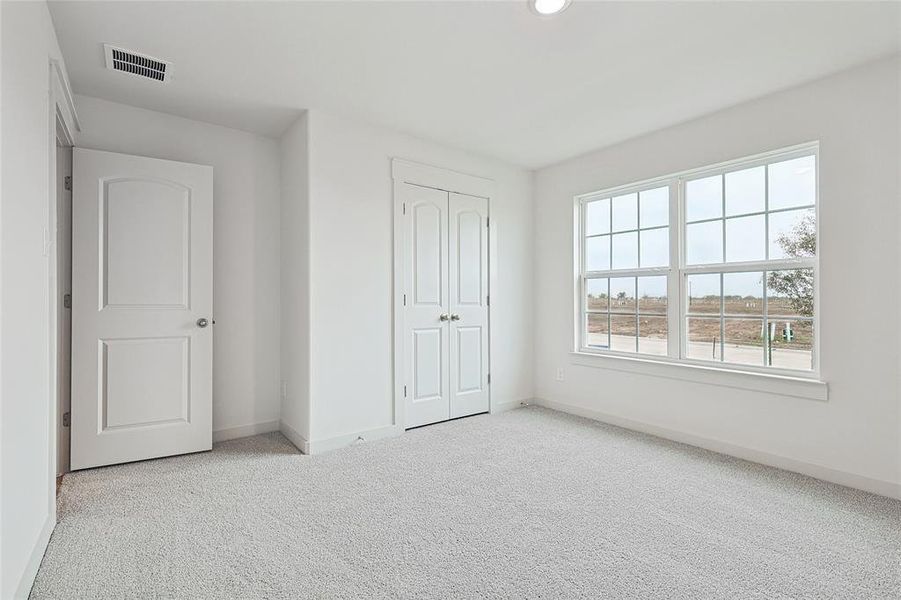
(127,61)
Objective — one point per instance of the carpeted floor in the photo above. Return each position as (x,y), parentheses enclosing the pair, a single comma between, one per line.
(526,504)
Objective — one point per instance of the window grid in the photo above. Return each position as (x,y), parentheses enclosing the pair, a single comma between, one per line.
(612,231)
(612,272)
(764,318)
(676,295)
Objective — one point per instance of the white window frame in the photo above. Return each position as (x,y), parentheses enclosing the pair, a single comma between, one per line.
(678,270)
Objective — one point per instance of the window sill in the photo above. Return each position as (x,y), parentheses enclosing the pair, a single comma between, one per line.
(799,387)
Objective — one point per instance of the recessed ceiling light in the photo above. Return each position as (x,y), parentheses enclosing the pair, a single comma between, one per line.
(546,8)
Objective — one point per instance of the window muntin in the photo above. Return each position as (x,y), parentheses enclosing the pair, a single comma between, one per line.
(736,286)
(759,318)
(626,236)
(738,215)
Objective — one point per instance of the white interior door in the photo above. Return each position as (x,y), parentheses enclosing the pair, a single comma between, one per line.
(468,277)
(142,301)
(427,300)
(446,305)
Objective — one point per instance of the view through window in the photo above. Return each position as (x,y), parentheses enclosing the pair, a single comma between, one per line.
(714,265)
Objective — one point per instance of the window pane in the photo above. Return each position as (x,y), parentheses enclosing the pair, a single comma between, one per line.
(793,233)
(792,183)
(625,250)
(596,294)
(655,247)
(791,344)
(597,333)
(652,335)
(652,294)
(622,294)
(743,342)
(622,333)
(790,293)
(703,293)
(625,212)
(703,339)
(654,207)
(745,239)
(704,243)
(597,253)
(743,293)
(745,191)
(597,217)
(704,198)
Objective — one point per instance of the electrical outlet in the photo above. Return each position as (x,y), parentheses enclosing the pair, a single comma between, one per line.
(561,376)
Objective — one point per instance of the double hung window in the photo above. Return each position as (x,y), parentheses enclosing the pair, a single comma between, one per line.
(713,265)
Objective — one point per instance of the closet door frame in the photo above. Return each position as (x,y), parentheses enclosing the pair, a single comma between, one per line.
(408,172)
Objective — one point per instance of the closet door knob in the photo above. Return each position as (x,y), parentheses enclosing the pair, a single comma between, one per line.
(443,317)
(455,317)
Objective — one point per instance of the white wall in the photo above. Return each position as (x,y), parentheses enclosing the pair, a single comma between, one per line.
(351,262)
(295,284)
(852,438)
(246,194)
(27,508)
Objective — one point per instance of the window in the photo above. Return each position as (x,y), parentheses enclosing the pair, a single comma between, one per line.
(714,265)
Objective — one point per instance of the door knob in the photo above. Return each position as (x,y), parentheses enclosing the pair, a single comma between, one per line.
(201,322)
(443,317)
(455,317)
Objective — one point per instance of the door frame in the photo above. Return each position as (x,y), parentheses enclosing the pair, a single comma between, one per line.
(63,125)
(409,172)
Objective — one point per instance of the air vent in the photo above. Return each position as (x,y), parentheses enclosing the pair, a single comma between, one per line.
(120,59)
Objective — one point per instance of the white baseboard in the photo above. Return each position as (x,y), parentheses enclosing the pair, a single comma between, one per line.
(510,405)
(861,482)
(294,437)
(340,441)
(35,558)
(231,433)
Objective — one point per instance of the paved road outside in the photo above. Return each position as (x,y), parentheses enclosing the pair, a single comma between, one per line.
(734,353)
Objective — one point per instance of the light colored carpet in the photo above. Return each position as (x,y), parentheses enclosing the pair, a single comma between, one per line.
(528,504)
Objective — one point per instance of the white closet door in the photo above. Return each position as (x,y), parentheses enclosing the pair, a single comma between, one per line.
(468,278)
(427,315)
(142,298)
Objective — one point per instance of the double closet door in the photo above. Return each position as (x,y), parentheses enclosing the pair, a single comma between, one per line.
(446,305)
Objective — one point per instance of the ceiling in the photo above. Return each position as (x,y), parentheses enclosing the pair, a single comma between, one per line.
(488,77)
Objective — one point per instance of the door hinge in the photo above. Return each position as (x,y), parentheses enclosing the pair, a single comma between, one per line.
(487,221)
(67,301)
(66,419)
(67,183)
(405,208)
(405,299)
(488,300)
(405,391)
(489,378)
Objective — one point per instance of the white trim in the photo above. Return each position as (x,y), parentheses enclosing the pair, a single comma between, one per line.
(294,437)
(500,407)
(853,480)
(23,589)
(439,178)
(65,94)
(405,171)
(349,439)
(706,373)
(241,431)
